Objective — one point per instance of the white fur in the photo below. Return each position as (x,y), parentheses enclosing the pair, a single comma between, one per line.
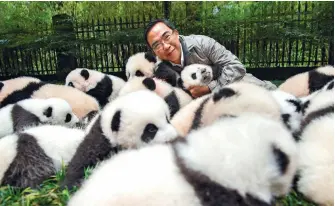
(203,74)
(150,176)
(15,84)
(250,98)
(137,110)
(60,110)
(139,62)
(286,107)
(80,102)
(58,142)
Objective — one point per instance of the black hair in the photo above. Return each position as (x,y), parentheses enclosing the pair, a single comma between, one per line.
(153,23)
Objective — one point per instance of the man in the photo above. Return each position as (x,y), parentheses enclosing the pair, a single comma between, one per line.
(165,41)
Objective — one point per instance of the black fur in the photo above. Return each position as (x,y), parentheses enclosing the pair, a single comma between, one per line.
(173,103)
(138,73)
(102,91)
(68,117)
(23,118)
(85,74)
(1,85)
(24,93)
(330,86)
(281,159)
(116,121)
(304,106)
(85,121)
(149,83)
(223,93)
(217,71)
(48,112)
(296,103)
(194,76)
(149,133)
(286,119)
(165,72)
(94,148)
(315,115)
(198,115)
(150,57)
(211,193)
(71,84)
(318,80)
(31,166)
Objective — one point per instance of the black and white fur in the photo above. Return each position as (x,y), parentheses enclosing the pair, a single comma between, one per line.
(133,120)
(30,157)
(104,88)
(316,150)
(175,97)
(140,65)
(199,75)
(231,100)
(32,112)
(235,161)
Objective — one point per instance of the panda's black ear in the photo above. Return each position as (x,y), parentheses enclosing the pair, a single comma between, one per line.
(281,158)
(150,57)
(1,85)
(116,121)
(149,83)
(84,73)
(223,93)
(48,112)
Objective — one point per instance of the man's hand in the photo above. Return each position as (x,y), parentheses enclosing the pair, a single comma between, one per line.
(198,91)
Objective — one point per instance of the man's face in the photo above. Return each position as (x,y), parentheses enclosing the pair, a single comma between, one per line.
(165,42)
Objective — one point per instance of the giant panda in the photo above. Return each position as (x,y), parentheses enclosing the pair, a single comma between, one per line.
(316,150)
(12,85)
(163,70)
(31,112)
(131,121)
(231,100)
(81,103)
(30,157)
(199,75)
(291,109)
(246,160)
(140,64)
(306,83)
(175,97)
(104,88)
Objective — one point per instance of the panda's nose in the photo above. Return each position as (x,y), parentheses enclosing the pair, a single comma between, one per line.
(203,70)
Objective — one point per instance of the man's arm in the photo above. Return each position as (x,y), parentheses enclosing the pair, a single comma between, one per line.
(232,68)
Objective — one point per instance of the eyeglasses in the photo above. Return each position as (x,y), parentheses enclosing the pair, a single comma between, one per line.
(167,38)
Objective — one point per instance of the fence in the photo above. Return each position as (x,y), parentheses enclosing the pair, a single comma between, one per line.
(105,44)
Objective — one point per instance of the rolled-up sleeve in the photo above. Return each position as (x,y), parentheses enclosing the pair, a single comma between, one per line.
(232,68)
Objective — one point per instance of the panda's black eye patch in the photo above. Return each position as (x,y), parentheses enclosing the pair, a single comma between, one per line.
(48,112)
(138,73)
(281,159)
(223,93)
(84,73)
(71,84)
(194,76)
(329,87)
(149,84)
(1,85)
(68,117)
(116,121)
(149,132)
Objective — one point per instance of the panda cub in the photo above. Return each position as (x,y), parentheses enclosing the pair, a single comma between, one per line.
(31,112)
(175,97)
(30,157)
(316,150)
(245,160)
(131,121)
(140,65)
(231,100)
(104,88)
(199,75)
(306,83)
